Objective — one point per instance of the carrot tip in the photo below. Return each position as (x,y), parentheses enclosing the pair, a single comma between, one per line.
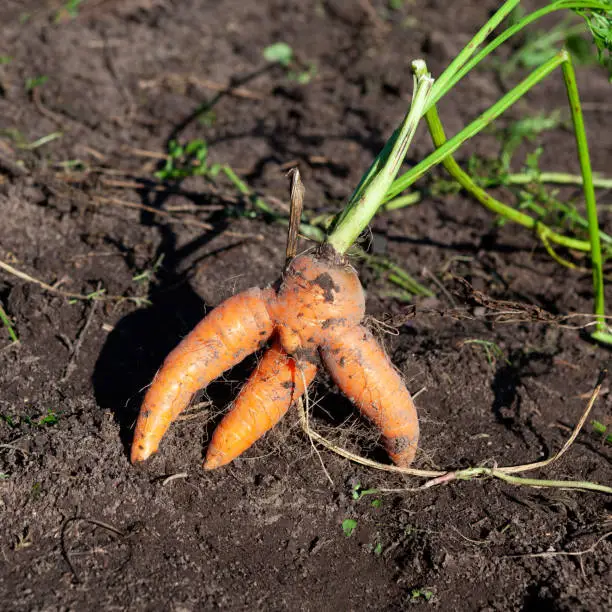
(213,462)
(141,452)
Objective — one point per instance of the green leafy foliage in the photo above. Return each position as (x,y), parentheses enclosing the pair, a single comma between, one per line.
(33,82)
(280,53)
(72,7)
(49,419)
(187,160)
(358,491)
(349,526)
(68,11)
(599,22)
(9,420)
(417,595)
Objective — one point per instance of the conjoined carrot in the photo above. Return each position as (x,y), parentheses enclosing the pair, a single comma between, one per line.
(315,311)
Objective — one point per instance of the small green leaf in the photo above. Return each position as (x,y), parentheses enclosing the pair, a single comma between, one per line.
(8,420)
(33,82)
(601,429)
(425,594)
(599,22)
(378,549)
(72,7)
(349,526)
(280,53)
(376,503)
(49,419)
(5,59)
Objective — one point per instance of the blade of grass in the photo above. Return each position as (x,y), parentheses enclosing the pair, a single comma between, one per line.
(9,326)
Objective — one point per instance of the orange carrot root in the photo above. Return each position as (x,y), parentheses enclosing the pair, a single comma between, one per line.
(222,339)
(276,383)
(318,306)
(316,294)
(367,377)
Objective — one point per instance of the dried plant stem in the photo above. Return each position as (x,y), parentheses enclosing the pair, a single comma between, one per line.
(563,553)
(502,473)
(95,295)
(30,279)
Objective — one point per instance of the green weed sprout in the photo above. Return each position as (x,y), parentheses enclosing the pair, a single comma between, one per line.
(601,430)
(349,526)
(281,53)
(4,319)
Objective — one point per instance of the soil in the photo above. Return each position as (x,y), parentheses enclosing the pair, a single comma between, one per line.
(82,528)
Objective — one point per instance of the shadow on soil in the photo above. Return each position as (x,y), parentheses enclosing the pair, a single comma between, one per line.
(139,343)
(508,379)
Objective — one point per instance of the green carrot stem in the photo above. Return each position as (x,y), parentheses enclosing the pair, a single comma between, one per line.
(407,179)
(569,76)
(558,178)
(439,138)
(457,66)
(370,194)
(439,92)
(470,473)
(410,199)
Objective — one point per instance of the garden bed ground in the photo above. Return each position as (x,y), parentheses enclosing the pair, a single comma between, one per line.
(81,527)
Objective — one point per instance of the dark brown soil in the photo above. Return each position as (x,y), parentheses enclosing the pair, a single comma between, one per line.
(82,528)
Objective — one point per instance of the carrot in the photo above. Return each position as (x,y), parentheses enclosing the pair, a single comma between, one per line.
(278,381)
(317,293)
(359,366)
(316,308)
(224,338)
